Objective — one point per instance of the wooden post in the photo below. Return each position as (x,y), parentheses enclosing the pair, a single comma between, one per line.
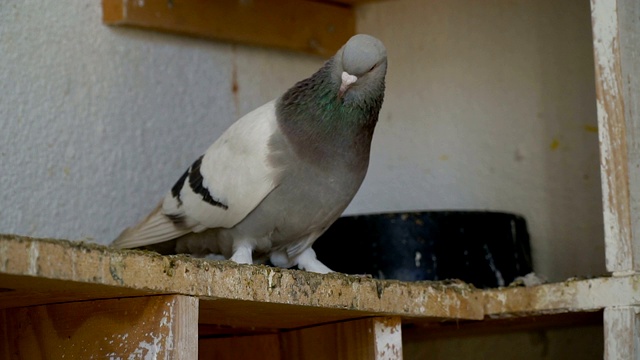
(372,338)
(622,333)
(388,338)
(616,39)
(150,327)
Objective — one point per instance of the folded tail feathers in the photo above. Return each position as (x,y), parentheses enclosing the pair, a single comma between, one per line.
(155,228)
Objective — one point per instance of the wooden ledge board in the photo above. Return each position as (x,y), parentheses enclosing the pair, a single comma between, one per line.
(40,271)
(565,297)
(313,27)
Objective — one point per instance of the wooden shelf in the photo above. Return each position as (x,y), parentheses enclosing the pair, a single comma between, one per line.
(316,27)
(48,280)
(51,271)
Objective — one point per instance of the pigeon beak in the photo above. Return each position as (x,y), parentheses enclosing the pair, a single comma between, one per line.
(347,80)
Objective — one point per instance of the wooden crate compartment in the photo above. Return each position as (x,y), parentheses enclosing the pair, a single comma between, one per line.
(87,299)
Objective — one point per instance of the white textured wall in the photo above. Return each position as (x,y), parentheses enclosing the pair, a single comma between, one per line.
(98,122)
(491,105)
(488,107)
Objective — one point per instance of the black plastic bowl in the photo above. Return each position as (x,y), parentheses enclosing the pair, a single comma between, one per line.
(486,249)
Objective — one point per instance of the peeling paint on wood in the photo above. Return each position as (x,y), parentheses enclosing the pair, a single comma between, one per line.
(613,147)
(622,333)
(134,328)
(564,297)
(388,338)
(617,87)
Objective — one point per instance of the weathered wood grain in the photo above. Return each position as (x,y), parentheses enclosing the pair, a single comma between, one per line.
(45,271)
(622,333)
(616,35)
(153,327)
(565,297)
(371,338)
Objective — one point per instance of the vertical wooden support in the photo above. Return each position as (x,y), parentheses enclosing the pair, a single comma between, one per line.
(616,39)
(622,333)
(373,338)
(151,327)
(388,338)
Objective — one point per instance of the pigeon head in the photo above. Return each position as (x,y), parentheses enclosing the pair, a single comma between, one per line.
(363,64)
(347,91)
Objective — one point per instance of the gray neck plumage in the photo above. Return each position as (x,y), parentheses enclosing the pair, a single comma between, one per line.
(320,125)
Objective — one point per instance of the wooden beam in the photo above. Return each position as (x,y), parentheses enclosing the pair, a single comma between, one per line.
(312,27)
(371,338)
(245,299)
(158,327)
(44,271)
(622,333)
(616,35)
(565,297)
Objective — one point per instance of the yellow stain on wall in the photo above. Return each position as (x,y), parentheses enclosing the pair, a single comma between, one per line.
(555,144)
(444,157)
(591,128)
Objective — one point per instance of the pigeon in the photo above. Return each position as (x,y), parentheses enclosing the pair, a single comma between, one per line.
(278,177)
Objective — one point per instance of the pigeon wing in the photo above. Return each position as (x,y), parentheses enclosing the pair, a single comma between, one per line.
(220,189)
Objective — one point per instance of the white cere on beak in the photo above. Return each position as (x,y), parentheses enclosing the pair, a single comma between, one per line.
(347,80)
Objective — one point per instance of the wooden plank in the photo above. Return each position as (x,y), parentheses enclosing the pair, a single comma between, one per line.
(622,333)
(312,27)
(21,291)
(264,347)
(371,338)
(569,296)
(247,299)
(185,326)
(616,35)
(154,327)
(87,271)
(261,317)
